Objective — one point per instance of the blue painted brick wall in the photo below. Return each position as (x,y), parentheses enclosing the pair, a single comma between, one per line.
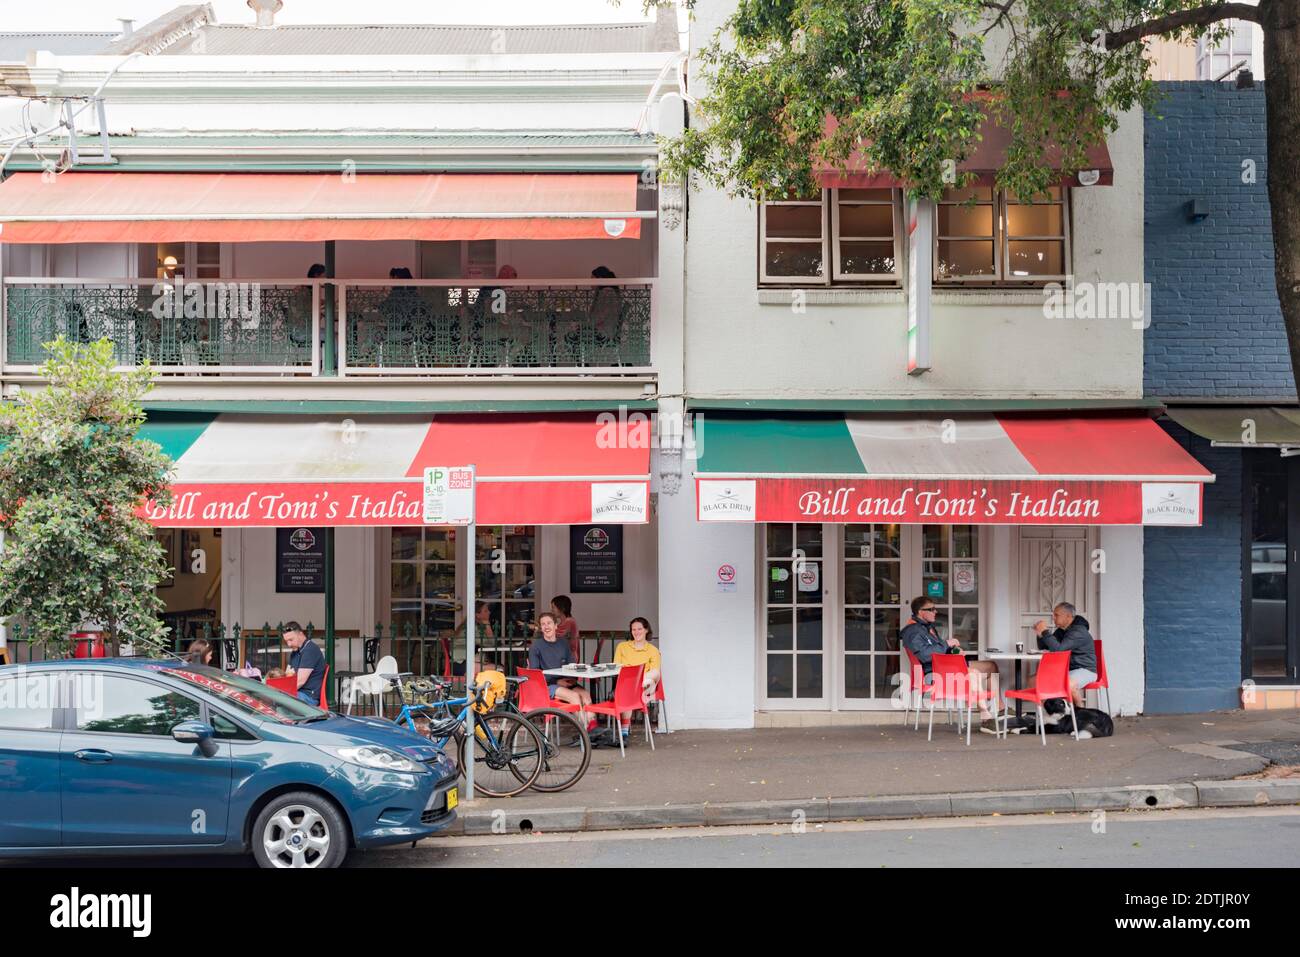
(1216,327)
(1192,588)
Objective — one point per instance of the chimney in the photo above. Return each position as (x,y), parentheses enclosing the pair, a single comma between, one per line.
(266,11)
(128,27)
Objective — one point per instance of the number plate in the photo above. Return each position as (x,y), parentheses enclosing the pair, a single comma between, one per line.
(453,798)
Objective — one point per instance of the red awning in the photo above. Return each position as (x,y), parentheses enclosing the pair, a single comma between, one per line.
(987,156)
(314,207)
(236,470)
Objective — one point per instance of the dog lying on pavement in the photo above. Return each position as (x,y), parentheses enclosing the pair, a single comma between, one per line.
(1056,720)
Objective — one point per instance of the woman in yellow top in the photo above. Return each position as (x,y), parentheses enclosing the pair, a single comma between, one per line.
(639,651)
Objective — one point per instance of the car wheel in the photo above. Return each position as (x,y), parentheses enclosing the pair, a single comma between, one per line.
(300,829)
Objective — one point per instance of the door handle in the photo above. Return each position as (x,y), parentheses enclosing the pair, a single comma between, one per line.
(94,756)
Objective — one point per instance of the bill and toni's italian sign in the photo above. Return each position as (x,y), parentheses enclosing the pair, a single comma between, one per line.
(965,502)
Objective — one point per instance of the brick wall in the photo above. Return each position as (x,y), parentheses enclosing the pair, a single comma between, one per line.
(1192,589)
(1216,327)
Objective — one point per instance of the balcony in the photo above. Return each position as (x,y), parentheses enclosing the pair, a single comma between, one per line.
(276,328)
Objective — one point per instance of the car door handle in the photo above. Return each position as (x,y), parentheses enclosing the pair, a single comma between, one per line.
(94,756)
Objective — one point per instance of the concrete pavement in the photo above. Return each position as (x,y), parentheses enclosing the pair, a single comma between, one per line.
(837,773)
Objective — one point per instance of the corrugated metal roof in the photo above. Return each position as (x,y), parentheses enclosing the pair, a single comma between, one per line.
(15,46)
(422,39)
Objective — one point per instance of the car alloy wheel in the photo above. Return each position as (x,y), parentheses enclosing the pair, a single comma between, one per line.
(297,836)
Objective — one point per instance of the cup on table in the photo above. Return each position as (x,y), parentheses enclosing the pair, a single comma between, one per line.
(1020,647)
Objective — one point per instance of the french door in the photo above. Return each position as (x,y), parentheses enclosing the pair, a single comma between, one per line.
(836,597)
(1271,589)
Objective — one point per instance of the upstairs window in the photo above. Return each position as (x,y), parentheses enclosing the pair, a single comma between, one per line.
(985,237)
(841,237)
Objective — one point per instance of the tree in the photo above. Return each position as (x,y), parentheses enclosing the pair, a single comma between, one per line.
(910,80)
(73,473)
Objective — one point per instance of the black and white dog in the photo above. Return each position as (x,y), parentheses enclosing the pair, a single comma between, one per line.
(1056,720)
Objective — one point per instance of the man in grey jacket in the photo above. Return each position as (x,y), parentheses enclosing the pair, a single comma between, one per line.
(1072,635)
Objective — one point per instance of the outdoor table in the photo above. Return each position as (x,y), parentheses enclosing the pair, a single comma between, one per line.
(585,674)
(1019,657)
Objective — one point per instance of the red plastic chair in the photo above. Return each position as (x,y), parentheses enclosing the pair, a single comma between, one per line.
(950,685)
(533,693)
(917,690)
(627,697)
(1103,681)
(289,685)
(1052,681)
(324,686)
(659,697)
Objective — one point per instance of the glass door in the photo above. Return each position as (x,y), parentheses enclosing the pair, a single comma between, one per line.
(794,653)
(1270,647)
(873,594)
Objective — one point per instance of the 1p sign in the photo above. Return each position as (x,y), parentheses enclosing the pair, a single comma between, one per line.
(449,495)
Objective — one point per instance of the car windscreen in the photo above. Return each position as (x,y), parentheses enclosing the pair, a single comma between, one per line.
(248,697)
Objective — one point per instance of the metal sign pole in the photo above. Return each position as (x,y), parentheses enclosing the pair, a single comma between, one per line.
(470,545)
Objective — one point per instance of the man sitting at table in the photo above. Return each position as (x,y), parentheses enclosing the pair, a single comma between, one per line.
(1072,635)
(307,663)
(921,638)
(548,652)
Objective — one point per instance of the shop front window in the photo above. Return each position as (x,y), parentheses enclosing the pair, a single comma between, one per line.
(423,591)
(795,658)
(950,577)
(873,571)
(505,576)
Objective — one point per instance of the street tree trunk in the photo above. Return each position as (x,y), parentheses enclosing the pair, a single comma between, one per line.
(1280,20)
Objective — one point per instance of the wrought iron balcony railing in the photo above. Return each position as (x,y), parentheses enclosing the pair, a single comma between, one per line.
(388,327)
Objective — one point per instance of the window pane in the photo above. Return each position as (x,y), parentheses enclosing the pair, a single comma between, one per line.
(440,544)
(857,629)
(887,583)
(937,541)
(1035,259)
(780,541)
(1037,220)
(794,259)
(406,543)
(966,627)
(809,538)
(486,540)
(857,583)
(934,576)
(780,583)
(963,258)
(809,676)
(226,729)
(808,631)
(857,541)
(965,220)
(780,629)
(889,541)
(875,195)
(440,615)
(857,676)
(406,581)
(171,260)
(520,577)
(1268,566)
(867,259)
(885,629)
(520,542)
(780,676)
(439,581)
(965,541)
(794,222)
(125,706)
(870,221)
(886,675)
(27,702)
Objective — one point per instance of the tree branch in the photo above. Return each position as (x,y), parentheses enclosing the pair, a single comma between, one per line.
(1196,17)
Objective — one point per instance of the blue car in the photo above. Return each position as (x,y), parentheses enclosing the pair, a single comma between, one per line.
(124,756)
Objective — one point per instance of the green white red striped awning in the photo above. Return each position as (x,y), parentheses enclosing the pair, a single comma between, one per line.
(1010,468)
(240,470)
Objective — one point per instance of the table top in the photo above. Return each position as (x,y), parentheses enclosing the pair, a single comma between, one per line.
(1012,655)
(570,672)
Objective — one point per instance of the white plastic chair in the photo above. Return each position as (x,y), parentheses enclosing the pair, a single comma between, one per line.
(376,684)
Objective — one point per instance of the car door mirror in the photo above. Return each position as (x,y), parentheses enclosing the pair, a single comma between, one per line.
(198,734)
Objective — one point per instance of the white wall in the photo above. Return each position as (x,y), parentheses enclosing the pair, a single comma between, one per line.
(707,637)
(604,612)
(1120,627)
(248,590)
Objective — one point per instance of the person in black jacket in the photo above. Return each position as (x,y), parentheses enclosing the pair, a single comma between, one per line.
(921,637)
(1071,634)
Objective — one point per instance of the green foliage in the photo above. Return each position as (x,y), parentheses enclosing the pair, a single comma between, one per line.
(72,475)
(908,82)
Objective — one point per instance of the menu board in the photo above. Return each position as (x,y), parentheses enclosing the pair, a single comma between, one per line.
(595,558)
(300,560)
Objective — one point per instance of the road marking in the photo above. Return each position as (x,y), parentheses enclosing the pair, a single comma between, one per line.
(840,827)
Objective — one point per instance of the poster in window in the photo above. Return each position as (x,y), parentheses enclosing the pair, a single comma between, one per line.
(595,558)
(300,560)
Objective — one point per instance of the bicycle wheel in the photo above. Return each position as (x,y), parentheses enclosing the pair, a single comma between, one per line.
(568,749)
(507,754)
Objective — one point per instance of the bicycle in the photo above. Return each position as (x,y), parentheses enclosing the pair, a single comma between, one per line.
(503,742)
(567,745)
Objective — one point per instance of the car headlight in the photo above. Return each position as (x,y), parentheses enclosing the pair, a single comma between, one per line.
(377,758)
